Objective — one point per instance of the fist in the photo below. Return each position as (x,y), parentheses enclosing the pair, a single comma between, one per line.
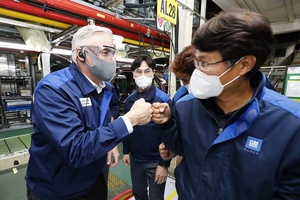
(140,113)
(161,112)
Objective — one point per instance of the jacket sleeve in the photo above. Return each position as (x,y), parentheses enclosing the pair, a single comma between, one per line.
(170,132)
(58,117)
(288,186)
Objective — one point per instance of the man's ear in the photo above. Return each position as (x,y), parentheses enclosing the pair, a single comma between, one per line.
(81,55)
(247,63)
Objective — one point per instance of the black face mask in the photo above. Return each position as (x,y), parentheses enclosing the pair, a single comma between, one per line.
(102,69)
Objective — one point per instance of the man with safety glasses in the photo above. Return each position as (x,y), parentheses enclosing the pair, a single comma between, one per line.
(240,139)
(72,114)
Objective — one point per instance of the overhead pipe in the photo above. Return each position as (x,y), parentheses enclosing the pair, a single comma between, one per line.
(33,18)
(138,43)
(23,7)
(28,25)
(82,10)
(97,14)
(29,9)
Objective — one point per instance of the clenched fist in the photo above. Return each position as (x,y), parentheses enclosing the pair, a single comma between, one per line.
(161,112)
(140,113)
(165,153)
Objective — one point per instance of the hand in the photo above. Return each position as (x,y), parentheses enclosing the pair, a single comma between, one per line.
(161,112)
(113,157)
(140,113)
(161,174)
(165,153)
(126,159)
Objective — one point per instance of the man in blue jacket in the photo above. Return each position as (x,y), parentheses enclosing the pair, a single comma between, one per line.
(72,119)
(240,140)
(140,149)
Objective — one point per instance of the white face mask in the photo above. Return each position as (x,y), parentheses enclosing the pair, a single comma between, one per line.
(204,86)
(143,81)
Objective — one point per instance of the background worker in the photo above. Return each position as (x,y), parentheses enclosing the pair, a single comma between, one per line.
(183,67)
(72,124)
(140,149)
(240,139)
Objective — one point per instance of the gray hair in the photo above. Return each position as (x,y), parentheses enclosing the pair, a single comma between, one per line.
(83,36)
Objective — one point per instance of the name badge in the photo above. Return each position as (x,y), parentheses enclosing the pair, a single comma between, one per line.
(86,101)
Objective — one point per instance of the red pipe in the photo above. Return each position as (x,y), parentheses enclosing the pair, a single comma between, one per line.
(26,8)
(23,7)
(96,14)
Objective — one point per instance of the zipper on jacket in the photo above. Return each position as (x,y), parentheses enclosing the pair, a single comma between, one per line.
(220,130)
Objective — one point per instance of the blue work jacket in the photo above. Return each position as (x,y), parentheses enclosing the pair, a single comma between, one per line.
(143,142)
(254,156)
(181,92)
(72,134)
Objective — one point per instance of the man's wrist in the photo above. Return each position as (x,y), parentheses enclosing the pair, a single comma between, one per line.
(127,123)
(167,125)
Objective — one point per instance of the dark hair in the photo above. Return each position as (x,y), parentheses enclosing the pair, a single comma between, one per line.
(237,33)
(183,64)
(137,62)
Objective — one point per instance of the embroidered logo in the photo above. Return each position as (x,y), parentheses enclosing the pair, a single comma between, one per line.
(253,145)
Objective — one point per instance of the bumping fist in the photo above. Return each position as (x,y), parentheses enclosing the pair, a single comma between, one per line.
(161,112)
(140,113)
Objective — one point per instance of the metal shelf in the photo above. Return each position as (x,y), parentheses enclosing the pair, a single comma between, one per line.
(15,106)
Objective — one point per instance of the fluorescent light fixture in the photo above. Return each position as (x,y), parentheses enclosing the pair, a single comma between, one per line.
(24,47)
(125,60)
(59,51)
(67,52)
(23,60)
(55,50)
(18,46)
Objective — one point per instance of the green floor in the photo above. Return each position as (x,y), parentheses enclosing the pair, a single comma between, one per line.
(16,131)
(12,186)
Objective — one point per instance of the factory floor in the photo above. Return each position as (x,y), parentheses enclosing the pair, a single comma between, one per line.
(14,144)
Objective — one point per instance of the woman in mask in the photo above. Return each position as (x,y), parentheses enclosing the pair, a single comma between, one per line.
(140,148)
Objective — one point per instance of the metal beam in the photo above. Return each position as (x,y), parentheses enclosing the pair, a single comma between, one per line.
(289,10)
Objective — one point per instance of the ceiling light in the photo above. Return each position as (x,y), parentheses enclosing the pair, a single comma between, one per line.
(21,46)
(18,46)
(60,51)
(23,60)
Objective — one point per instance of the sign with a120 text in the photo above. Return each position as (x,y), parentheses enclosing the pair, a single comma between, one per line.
(167,9)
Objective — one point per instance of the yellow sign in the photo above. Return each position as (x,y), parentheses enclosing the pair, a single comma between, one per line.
(167,9)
